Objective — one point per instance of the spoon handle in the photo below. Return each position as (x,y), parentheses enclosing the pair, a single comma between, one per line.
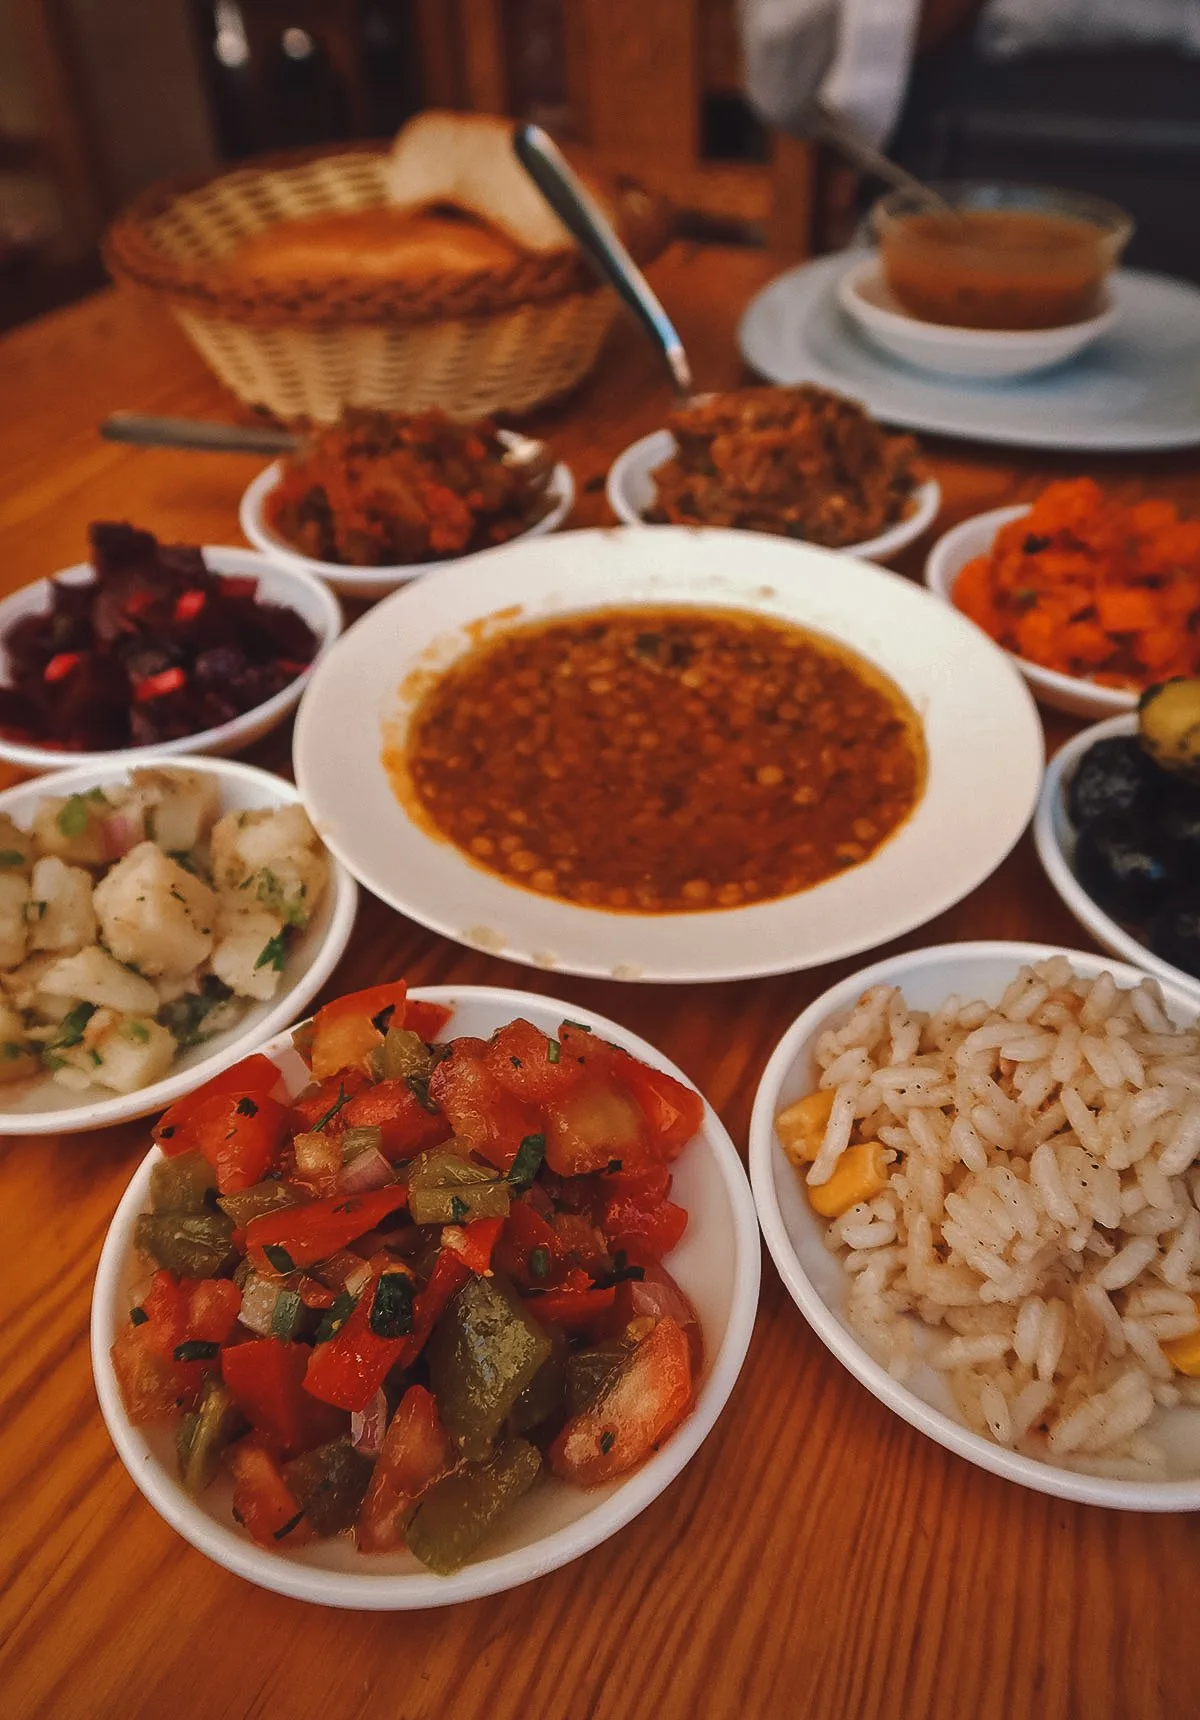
(832,127)
(580,214)
(145,431)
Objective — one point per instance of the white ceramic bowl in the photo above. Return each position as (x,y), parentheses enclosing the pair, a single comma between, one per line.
(974,707)
(286,585)
(717,1264)
(816,1280)
(630,491)
(42,1106)
(371,582)
(975,354)
(1070,693)
(1054,836)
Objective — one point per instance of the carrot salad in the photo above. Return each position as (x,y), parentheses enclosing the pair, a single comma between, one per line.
(1092,587)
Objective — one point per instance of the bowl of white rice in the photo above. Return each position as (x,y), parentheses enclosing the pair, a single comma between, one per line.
(1011,1262)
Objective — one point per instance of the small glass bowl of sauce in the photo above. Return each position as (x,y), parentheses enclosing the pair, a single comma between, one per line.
(1002,256)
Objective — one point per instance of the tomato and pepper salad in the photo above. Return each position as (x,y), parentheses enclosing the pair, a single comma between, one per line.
(385,1305)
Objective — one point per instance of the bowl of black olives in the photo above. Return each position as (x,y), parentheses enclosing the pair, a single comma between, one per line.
(1118,831)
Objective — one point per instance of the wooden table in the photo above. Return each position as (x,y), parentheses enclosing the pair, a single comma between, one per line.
(818,1557)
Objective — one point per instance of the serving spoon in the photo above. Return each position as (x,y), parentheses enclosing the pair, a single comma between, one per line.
(829,125)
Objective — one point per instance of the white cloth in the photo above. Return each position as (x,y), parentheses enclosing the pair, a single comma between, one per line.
(857,54)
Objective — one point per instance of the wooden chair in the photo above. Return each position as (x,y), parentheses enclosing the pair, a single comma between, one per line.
(636,74)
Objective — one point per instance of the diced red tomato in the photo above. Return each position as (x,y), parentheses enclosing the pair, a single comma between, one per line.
(407,1128)
(311,1106)
(656,1296)
(426,1019)
(213,1308)
(346,1032)
(529,1065)
(263,1501)
(580,1241)
(152,1385)
(239,1136)
(575,1303)
(473,1243)
(524,1230)
(646,1187)
(673,1111)
(593,1124)
(485,1118)
(350,1367)
(266,1377)
(253,1075)
(644,1233)
(416,1452)
(647,1399)
(165,1308)
(315,1231)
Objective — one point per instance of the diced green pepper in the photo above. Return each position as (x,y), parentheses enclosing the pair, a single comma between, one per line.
(269,1196)
(484,1351)
(202,1437)
(286,1315)
(404,1056)
(196,1245)
(444,1168)
(329,1484)
(543,1396)
(182,1185)
(458,1205)
(590,1372)
(361,1140)
(459,1512)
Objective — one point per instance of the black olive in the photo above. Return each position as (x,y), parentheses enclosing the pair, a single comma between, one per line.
(1175,932)
(1119,867)
(1114,775)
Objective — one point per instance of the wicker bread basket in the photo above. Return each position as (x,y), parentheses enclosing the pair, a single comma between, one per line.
(497,340)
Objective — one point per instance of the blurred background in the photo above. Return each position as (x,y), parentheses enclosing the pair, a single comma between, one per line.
(98,98)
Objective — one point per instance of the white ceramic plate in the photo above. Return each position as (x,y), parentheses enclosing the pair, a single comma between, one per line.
(972,702)
(1136,387)
(816,1279)
(631,492)
(42,1106)
(1054,836)
(286,585)
(717,1265)
(371,582)
(1070,693)
(978,353)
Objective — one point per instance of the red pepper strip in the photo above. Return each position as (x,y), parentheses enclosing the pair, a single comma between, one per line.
(265,1377)
(60,666)
(263,1502)
(236,585)
(644,1233)
(351,1367)
(213,1308)
(524,1231)
(189,604)
(572,1305)
(426,1019)
(253,1075)
(450,1273)
(371,1002)
(474,1243)
(314,1232)
(158,686)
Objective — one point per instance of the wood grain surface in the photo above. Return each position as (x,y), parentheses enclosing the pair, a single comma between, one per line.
(818,1557)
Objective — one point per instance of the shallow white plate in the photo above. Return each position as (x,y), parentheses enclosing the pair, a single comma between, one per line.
(1137,387)
(44,1107)
(985,354)
(1054,835)
(961,544)
(974,706)
(285,585)
(373,582)
(631,492)
(816,1279)
(717,1264)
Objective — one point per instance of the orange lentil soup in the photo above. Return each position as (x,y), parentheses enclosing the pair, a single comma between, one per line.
(662,760)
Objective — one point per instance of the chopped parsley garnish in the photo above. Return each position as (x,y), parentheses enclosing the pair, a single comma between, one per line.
(607,1440)
(273,953)
(11,857)
(70,1028)
(335,1316)
(459,1210)
(418,1086)
(246,1107)
(73,816)
(581,1025)
(196,1350)
(279,1257)
(612,1167)
(391,1309)
(343,1098)
(553,1051)
(279,1534)
(528,1161)
(138,1316)
(539,1263)
(186,1019)
(137,1031)
(11,1050)
(383,1020)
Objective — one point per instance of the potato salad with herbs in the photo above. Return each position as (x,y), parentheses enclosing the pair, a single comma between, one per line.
(136,919)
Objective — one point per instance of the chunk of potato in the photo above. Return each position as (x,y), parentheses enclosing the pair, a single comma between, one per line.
(73,827)
(154,914)
(96,977)
(16,846)
(119,1051)
(249,953)
(181,806)
(274,858)
(22,987)
(61,914)
(14,918)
